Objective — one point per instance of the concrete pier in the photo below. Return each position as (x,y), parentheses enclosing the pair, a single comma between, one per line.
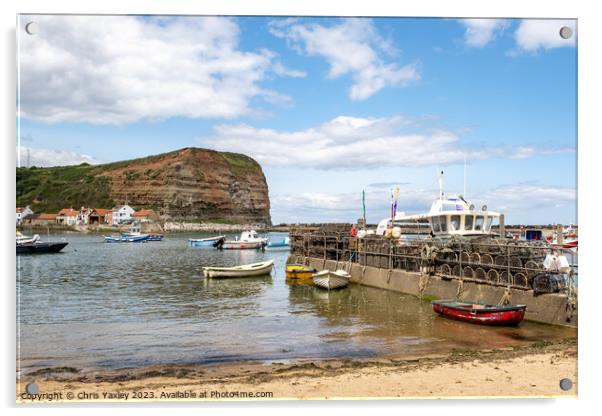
(552,308)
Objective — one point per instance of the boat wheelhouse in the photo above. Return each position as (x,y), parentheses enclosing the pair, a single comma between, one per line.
(450,216)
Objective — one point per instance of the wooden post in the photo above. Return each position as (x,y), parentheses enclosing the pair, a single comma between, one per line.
(559,236)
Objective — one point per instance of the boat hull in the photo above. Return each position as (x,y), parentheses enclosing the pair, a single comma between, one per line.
(123,239)
(40,248)
(298,271)
(248,270)
(330,280)
(477,313)
(242,245)
(204,242)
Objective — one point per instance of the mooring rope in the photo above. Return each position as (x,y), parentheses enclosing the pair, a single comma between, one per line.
(389,275)
(363,272)
(460,288)
(424,278)
(506,297)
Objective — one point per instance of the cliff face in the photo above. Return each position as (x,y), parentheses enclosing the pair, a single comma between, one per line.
(188,184)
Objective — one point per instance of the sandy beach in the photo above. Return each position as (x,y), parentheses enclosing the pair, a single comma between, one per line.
(530,371)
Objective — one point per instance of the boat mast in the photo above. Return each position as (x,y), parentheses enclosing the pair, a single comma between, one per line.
(464,192)
(441,186)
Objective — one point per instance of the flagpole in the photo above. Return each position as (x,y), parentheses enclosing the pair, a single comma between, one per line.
(364,205)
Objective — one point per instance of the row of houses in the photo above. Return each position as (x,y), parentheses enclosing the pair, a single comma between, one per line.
(120,214)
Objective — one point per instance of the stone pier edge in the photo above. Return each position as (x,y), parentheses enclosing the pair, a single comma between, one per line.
(547,308)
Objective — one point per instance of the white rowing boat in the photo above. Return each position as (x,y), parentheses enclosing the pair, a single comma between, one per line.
(331,280)
(245,270)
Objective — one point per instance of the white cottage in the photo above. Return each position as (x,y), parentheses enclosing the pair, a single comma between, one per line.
(22,213)
(67,216)
(122,213)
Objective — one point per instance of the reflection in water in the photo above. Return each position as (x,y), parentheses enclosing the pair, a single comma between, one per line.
(120,305)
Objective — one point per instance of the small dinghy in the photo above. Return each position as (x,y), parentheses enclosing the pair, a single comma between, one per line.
(279,245)
(299,271)
(126,239)
(331,280)
(205,242)
(480,313)
(245,270)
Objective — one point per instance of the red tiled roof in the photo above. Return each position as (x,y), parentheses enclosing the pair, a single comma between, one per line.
(47,216)
(102,211)
(68,212)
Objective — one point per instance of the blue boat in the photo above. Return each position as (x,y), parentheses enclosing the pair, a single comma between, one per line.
(205,242)
(126,239)
(279,245)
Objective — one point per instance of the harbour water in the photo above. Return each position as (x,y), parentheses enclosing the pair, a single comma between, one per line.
(130,305)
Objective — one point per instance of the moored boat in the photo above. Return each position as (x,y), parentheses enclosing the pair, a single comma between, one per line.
(126,239)
(245,270)
(248,240)
(205,242)
(480,313)
(278,245)
(136,232)
(327,279)
(299,271)
(33,245)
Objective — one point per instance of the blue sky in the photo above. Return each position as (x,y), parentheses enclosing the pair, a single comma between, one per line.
(329,107)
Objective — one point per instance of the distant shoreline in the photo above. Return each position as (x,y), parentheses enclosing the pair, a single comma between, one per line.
(167,228)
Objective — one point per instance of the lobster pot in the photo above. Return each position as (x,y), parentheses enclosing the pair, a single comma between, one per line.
(505,277)
(493,276)
(487,259)
(468,272)
(520,279)
(457,270)
(480,274)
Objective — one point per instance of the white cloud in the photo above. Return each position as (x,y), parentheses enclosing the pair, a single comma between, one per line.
(351,47)
(121,69)
(49,157)
(535,34)
(523,152)
(345,207)
(527,197)
(520,202)
(351,143)
(479,32)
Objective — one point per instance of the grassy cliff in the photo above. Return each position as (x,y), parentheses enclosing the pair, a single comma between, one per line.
(188,183)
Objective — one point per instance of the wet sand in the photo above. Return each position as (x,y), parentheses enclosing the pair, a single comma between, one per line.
(526,371)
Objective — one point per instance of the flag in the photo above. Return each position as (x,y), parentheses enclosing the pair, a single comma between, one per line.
(396,196)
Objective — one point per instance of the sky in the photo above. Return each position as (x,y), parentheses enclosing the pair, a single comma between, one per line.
(329,107)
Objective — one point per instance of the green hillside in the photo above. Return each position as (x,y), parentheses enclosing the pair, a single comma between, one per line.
(51,189)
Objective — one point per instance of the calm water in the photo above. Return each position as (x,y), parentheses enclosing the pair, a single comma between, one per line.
(123,305)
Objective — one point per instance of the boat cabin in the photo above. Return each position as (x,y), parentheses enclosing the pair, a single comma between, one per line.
(250,236)
(451,216)
(454,216)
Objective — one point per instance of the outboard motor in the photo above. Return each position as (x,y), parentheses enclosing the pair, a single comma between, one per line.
(219,244)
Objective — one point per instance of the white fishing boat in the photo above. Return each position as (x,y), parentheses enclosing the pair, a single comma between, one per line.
(248,240)
(327,279)
(448,216)
(245,270)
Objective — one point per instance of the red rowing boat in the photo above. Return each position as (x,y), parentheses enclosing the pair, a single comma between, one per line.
(480,313)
